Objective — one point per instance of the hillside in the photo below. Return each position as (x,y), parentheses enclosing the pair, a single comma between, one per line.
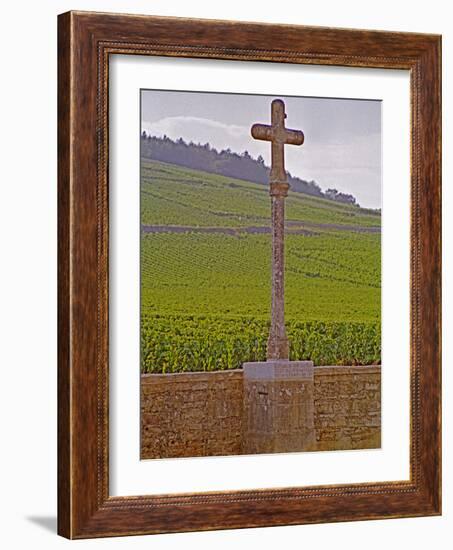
(227,163)
(205,256)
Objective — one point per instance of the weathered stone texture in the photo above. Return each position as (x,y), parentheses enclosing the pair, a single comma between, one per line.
(191,414)
(278,407)
(278,135)
(347,407)
(208,414)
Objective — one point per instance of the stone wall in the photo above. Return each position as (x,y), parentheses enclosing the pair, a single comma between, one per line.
(191,414)
(347,407)
(201,414)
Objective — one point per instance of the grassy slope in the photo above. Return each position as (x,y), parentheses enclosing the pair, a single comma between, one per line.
(332,274)
(179,196)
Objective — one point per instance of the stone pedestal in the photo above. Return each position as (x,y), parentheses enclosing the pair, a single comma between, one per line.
(278,407)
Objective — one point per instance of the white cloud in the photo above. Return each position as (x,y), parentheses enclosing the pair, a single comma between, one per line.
(200,130)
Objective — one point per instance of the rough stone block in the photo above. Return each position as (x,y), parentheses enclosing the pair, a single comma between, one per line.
(278,407)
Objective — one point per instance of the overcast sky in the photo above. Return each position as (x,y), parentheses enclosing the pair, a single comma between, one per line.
(342,146)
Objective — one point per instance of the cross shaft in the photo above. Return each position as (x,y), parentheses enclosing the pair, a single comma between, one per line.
(278,135)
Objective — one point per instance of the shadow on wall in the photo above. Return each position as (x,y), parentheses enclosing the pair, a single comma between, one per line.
(48,523)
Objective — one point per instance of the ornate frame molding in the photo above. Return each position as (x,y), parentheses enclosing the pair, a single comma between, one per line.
(86,40)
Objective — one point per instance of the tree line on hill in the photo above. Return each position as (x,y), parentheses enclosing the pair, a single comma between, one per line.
(227,163)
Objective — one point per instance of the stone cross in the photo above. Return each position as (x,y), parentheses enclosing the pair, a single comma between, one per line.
(278,135)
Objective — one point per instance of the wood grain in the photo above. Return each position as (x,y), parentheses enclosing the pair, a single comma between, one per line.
(85,41)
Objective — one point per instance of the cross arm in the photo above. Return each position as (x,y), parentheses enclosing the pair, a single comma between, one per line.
(294,137)
(262,131)
(283,135)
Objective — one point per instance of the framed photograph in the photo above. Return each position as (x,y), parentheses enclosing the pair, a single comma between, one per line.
(249,275)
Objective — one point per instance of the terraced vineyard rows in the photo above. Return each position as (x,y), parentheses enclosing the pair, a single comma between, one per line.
(172,195)
(205,265)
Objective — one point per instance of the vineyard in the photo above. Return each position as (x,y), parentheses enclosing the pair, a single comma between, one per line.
(205,274)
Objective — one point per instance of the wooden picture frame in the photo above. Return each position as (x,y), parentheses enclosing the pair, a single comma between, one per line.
(85,42)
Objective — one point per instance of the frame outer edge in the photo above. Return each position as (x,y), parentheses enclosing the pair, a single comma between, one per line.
(85,277)
(64,526)
(427,273)
(432,147)
(439,161)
